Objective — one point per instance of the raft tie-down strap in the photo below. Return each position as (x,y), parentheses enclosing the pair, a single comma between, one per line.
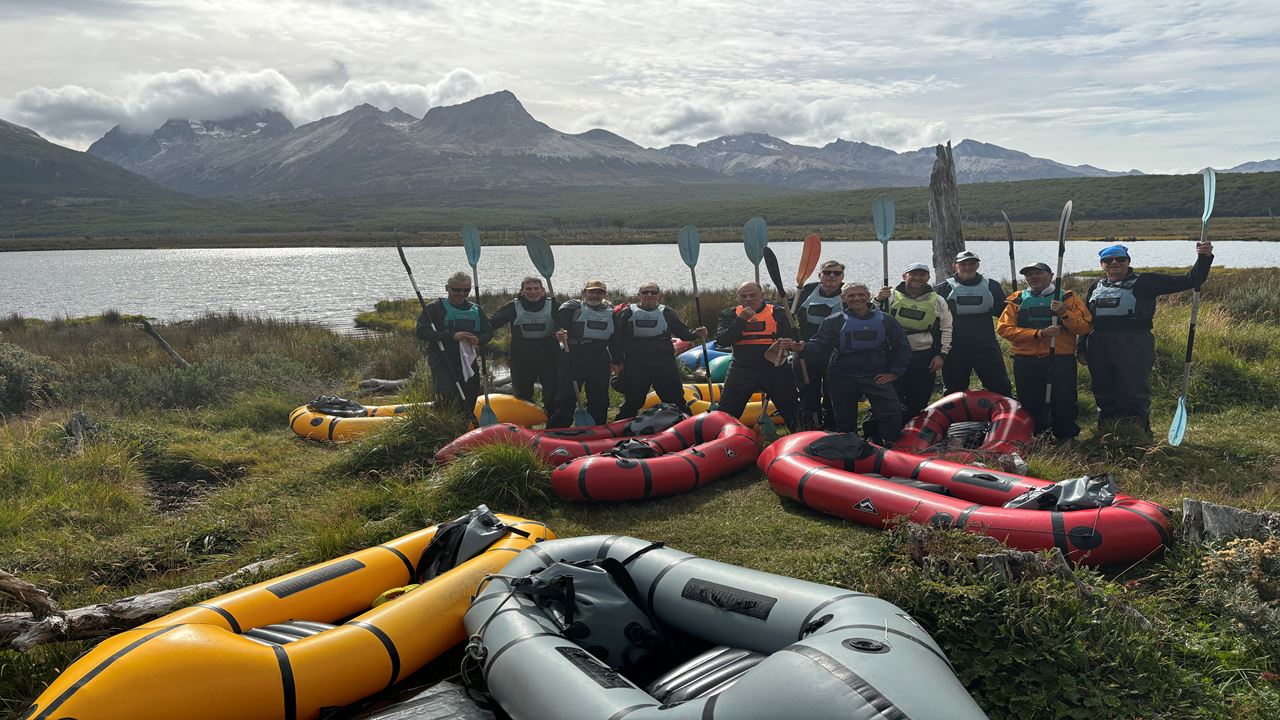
(856,682)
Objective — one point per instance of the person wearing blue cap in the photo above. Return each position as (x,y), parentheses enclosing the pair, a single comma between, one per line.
(974,300)
(1121,351)
(926,318)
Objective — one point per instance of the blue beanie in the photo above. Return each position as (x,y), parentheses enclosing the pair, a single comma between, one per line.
(1113,251)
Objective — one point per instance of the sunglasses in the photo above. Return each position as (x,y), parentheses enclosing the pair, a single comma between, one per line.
(1114,260)
(460,290)
(650,292)
(832,272)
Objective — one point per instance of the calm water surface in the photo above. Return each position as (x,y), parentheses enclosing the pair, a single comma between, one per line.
(330,285)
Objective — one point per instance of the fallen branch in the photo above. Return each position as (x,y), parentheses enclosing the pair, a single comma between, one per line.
(373,386)
(46,624)
(146,327)
(1204,522)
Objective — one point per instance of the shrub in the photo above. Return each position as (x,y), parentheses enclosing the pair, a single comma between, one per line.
(507,478)
(27,380)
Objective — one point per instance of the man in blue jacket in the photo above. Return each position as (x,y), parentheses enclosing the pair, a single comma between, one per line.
(865,351)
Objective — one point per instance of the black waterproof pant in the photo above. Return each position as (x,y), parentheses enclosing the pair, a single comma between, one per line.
(846,392)
(662,376)
(1033,375)
(447,392)
(741,383)
(984,359)
(815,397)
(915,386)
(1120,367)
(587,368)
(536,362)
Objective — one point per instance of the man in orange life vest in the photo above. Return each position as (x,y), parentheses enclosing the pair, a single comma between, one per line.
(750,329)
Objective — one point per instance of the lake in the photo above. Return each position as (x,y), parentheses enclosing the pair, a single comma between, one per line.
(330,285)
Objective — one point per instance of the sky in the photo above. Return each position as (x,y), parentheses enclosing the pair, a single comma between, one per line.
(1161,86)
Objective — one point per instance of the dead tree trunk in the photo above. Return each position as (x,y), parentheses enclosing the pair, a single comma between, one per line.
(177,359)
(944,212)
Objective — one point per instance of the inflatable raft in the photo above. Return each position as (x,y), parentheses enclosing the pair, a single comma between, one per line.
(292,646)
(333,422)
(559,445)
(699,397)
(871,486)
(601,628)
(692,358)
(692,453)
(1003,426)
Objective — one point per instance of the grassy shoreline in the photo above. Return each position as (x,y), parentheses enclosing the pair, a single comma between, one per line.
(190,474)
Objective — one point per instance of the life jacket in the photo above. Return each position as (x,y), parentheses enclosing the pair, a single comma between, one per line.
(818,308)
(1034,310)
(461,320)
(972,299)
(861,334)
(761,329)
(535,324)
(915,315)
(1114,299)
(596,323)
(648,323)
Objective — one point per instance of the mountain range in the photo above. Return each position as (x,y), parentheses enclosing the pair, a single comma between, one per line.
(32,168)
(492,142)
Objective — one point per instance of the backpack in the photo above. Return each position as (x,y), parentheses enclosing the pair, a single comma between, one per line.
(457,541)
(655,420)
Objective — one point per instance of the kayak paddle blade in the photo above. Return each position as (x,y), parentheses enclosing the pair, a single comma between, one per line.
(582,418)
(540,253)
(471,241)
(808,257)
(767,429)
(755,236)
(885,216)
(689,244)
(1210,190)
(1063,223)
(1179,425)
(487,415)
(775,273)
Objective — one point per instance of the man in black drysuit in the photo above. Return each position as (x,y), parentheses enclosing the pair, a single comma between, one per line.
(642,351)
(974,300)
(458,325)
(534,353)
(587,325)
(817,302)
(1121,350)
(750,329)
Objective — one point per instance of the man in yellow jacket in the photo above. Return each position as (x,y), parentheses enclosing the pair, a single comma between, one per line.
(1033,320)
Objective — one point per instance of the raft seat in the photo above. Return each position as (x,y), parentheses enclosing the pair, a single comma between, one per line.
(710,673)
(286,632)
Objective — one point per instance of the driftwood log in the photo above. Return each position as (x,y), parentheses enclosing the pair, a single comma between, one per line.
(944,212)
(376,386)
(1204,522)
(45,623)
(164,345)
(76,429)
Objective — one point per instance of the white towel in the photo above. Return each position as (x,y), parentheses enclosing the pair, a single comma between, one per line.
(467,352)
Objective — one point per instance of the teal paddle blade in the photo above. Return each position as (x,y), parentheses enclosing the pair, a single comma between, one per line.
(767,428)
(885,216)
(1210,190)
(582,418)
(540,253)
(755,236)
(471,241)
(1179,425)
(487,415)
(689,244)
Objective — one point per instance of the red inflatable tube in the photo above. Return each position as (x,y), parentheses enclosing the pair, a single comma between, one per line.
(696,451)
(678,346)
(1011,426)
(1128,531)
(556,445)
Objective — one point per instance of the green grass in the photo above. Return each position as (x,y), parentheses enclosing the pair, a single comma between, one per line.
(186,478)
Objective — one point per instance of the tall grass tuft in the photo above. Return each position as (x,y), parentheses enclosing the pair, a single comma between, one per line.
(507,478)
(415,439)
(27,380)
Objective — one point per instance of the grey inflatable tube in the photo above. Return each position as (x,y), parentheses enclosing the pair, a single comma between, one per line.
(830,653)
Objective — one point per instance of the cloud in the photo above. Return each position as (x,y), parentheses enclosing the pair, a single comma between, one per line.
(78,115)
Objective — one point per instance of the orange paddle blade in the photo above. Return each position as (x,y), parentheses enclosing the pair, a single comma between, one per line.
(808,257)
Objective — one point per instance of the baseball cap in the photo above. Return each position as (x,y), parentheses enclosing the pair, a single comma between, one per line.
(595,285)
(966,255)
(1036,266)
(917,266)
(1113,251)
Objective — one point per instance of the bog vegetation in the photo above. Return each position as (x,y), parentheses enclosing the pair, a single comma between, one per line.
(185,475)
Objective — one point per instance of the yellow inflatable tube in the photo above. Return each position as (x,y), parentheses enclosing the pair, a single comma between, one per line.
(317,425)
(196,663)
(700,397)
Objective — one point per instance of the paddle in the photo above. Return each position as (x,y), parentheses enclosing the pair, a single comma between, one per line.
(1013,266)
(885,217)
(808,262)
(1063,223)
(439,345)
(689,244)
(471,242)
(545,262)
(775,274)
(755,236)
(1179,425)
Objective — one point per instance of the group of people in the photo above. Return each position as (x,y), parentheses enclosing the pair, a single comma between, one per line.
(841,346)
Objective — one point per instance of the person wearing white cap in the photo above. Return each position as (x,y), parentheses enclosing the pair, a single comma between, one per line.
(974,300)
(1121,350)
(586,326)
(927,321)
